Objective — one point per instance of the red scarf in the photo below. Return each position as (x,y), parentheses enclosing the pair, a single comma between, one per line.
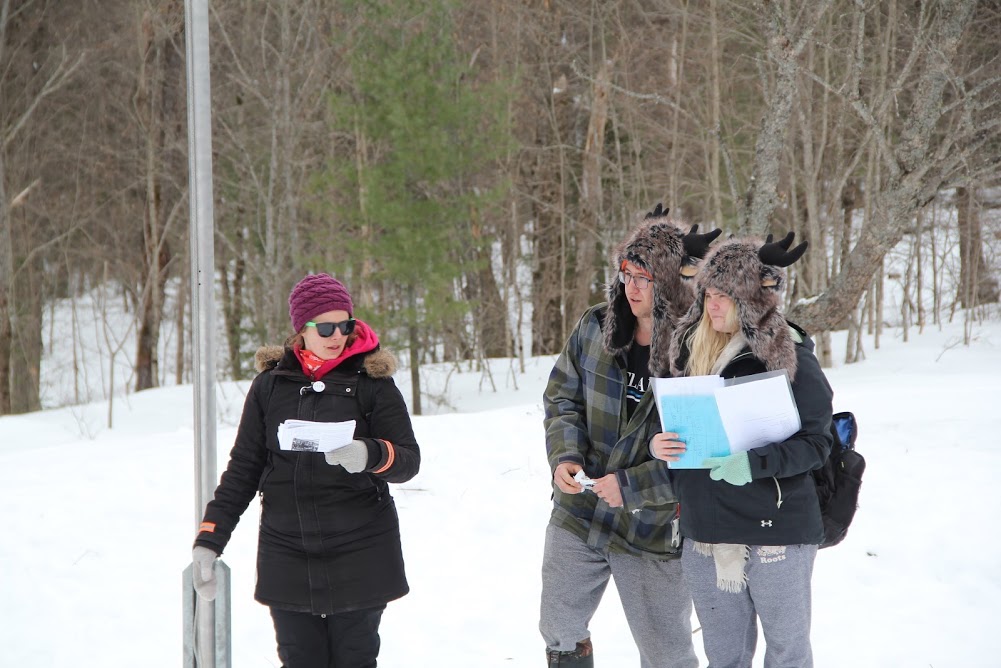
(315,367)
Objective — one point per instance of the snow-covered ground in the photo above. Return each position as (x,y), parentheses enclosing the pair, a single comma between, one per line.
(98,525)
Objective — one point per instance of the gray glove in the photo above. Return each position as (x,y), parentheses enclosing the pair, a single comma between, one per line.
(353,456)
(203,572)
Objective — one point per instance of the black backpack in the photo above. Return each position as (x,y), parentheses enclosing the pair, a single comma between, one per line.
(839,480)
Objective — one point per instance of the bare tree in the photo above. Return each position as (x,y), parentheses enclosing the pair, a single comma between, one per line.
(159,113)
(32,71)
(272,78)
(976,284)
(922,161)
(785,41)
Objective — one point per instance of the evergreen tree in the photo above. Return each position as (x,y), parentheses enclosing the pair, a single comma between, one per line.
(422,140)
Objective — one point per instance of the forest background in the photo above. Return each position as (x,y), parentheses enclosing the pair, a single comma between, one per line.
(466,167)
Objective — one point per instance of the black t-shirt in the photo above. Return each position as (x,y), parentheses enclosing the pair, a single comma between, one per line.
(637,375)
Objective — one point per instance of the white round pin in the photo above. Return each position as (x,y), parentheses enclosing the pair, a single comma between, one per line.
(318,386)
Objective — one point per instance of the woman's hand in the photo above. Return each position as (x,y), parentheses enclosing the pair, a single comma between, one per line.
(666,446)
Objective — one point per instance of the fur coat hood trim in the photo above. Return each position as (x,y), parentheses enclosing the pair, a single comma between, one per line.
(378,363)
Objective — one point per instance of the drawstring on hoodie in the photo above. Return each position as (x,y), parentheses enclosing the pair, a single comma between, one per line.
(778,502)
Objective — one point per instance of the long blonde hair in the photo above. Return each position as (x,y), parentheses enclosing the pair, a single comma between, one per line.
(706,344)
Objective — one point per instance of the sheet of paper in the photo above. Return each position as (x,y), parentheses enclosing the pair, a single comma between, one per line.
(687,406)
(689,385)
(696,420)
(307,436)
(758,410)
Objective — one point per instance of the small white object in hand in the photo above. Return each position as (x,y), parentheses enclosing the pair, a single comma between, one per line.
(583,480)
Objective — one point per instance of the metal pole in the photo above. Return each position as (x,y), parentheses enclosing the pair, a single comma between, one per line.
(210,643)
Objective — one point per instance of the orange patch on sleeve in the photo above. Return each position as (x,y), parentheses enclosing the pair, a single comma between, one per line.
(390,456)
(207,526)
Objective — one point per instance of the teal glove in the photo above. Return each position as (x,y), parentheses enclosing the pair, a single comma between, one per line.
(353,456)
(735,468)
(203,572)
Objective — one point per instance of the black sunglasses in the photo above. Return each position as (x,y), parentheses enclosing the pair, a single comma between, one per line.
(326,329)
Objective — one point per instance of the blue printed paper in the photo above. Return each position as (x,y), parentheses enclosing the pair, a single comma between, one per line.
(697,422)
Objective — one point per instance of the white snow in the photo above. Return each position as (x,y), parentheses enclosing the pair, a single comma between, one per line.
(98,525)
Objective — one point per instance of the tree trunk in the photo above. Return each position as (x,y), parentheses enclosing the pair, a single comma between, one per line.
(546,187)
(489,313)
(26,349)
(584,290)
(159,104)
(6,279)
(976,285)
(232,283)
(784,49)
(414,346)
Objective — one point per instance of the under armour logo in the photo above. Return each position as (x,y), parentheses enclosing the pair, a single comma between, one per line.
(766,523)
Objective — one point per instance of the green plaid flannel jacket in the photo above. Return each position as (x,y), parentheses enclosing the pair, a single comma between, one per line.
(585,404)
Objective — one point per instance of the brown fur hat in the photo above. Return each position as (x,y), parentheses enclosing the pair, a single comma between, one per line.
(670,253)
(751,272)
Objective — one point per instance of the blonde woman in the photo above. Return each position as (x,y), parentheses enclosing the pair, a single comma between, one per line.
(751,520)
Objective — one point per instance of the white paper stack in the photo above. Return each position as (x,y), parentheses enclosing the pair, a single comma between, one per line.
(716,417)
(307,436)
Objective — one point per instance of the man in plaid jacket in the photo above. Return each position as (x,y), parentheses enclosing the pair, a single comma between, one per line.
(614,511)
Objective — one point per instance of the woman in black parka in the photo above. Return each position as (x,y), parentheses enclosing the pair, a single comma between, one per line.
(751,520)
(329,554)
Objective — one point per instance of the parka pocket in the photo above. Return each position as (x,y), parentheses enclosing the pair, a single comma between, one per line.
(269,468)
(653,530)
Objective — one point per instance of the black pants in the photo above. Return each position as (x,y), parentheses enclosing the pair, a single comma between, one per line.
(342,640)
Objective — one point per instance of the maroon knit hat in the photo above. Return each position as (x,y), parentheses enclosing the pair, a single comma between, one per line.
(316,294)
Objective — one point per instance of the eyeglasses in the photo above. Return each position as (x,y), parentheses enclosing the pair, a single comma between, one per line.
(641,282)
(326,329)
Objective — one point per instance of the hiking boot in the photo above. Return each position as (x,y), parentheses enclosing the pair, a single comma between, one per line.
(580,657)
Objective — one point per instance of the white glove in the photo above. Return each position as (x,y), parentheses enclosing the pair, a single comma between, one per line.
(203,572)
(353,456)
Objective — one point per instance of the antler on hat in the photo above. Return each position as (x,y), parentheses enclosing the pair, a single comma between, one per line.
(777,254)
(696,247)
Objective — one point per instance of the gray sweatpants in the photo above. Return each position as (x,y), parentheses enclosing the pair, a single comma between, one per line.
(777,593)
(657,604)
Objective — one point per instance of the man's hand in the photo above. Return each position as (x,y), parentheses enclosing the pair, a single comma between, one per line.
(608,490)
(563,477)
(666,446)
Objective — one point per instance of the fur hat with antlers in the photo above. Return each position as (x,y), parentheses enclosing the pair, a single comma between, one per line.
(752,273)
(663,248)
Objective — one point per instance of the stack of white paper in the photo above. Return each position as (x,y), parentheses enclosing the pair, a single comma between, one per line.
(306,436)
(716,418)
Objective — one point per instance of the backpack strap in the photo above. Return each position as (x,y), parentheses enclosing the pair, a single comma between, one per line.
(366,400)
(797,333)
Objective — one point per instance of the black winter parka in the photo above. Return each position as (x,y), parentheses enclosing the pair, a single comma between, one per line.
(329,540)
(780,505)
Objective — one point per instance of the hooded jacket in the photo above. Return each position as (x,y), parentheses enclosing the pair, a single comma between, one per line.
(586,423)
(585,401)
(780,505)
(329,540)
